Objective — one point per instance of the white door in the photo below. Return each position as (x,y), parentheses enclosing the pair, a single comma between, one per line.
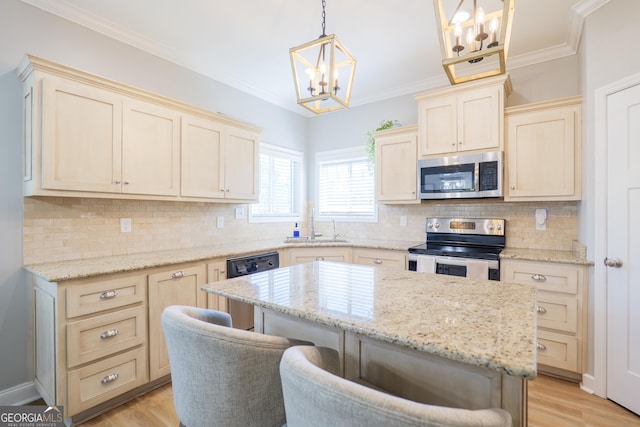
(623,246)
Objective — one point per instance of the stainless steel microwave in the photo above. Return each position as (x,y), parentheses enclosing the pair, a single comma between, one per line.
(465,176)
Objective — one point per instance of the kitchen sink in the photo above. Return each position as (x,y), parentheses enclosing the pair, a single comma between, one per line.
(306,239)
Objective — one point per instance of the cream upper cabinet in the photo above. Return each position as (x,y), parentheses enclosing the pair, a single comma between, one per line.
(463,118)
(544,151)
(86,136)
(241,165)
(81,137)
(396,165)
(202,156)
(218,161)
(150,149)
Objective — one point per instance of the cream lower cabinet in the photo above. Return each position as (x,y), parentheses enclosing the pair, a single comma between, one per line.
(380,258)
(463,118)
(396,165)
(562,312)
(543,151)
(216,271)
(176,286)
(90,340)
(302,255)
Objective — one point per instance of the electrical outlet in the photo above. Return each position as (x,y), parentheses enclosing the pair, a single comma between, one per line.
(240,213)
(125,225)
(220,222)
(403,220)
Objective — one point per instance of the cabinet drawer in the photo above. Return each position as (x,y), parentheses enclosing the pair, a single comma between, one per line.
(103,335)
(97,295)
(557,311)
(545,276)
(104,380)
(558,350)
(380,259)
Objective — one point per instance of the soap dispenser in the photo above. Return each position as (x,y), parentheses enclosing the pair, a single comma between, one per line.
(296,231)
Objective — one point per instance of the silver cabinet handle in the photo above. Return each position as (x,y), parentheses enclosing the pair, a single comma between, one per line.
(126,183)
(116,182)
(377,261)
(513,187)
(541,346)
(110,378)
(177,274)
(110,333)
(108,294)
(613,262)
(320,258)
(541,309)
(539,277)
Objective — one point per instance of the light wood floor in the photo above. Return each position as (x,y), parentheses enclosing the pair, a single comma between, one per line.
(552,403)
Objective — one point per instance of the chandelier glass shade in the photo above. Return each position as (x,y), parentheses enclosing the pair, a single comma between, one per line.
(474,37)
(323,72)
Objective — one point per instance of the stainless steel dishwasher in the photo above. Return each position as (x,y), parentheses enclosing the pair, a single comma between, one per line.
(242,313)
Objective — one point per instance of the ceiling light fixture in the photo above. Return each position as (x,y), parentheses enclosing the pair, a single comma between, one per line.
(485,34)
(323,71)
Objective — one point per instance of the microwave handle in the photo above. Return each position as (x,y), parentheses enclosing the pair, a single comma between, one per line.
(476,177)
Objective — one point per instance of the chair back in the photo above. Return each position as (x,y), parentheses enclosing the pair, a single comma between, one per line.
(222,376)
(314,396)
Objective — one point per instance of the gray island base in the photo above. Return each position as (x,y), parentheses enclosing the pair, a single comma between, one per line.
(430,338)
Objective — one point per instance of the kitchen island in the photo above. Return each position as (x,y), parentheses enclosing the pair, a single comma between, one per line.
(437,339)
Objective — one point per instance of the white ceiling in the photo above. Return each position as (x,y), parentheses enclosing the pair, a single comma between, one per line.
(245,43)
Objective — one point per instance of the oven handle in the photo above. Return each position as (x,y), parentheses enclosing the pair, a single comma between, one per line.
(447,260)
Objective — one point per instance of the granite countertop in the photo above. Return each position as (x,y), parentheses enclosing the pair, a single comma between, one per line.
(477,322)
(545,255)
(77,269)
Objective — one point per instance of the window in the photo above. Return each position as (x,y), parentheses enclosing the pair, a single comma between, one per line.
(280,185)
(345,186)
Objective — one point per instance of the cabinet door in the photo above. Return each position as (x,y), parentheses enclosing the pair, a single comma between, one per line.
(380,258)
(396,171)
(202,172)
(173,287)
(217,271)
(81,137)
(241,165)
(541,155)
(438,126)
(479,120)
(302,255)
(150,149)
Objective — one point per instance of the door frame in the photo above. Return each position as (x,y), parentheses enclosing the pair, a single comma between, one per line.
(597,383)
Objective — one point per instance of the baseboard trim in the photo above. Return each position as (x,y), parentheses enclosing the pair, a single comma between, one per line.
(20,394)
(587,383)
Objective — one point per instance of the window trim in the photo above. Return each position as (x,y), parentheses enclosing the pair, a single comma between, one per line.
(351,153)
(294,155)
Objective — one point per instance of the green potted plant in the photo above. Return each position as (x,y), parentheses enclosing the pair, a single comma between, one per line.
(371,142)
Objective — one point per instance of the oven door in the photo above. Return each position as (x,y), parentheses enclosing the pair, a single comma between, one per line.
(456,266)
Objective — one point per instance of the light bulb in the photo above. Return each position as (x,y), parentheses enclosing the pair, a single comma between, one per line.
(480,16)
(457,30)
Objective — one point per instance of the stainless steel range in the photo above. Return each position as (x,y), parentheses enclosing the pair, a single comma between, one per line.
(461,247)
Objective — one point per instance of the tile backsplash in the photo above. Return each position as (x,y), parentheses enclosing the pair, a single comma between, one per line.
(58,229)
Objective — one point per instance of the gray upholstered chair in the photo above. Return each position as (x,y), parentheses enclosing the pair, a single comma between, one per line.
(223,376)
(314,395)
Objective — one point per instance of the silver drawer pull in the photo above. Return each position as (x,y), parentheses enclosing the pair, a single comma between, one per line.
(109,294)
(110,333)
(541,346)
(539,277)
(110,378)
(320,258)
(541,309)
(177,274)
(377,261)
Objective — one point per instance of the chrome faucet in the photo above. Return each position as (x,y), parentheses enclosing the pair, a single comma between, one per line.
(335,235)
(312,234)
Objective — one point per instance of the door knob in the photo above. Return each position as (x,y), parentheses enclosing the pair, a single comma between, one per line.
(613,262)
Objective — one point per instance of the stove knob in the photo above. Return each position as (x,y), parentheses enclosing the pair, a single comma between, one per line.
(499,227)
(429,225)
(490,227)
(437,225)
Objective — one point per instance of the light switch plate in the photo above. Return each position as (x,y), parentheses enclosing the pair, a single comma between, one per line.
(125,225)
(541,219)
(240,213)
(220,222)
(403,220)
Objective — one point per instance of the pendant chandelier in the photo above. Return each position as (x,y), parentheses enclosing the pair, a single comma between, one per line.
(323,71)
(474,38)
